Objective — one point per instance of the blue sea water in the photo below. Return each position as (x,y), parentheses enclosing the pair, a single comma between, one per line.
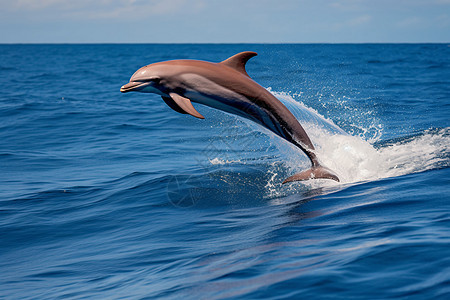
(106,195)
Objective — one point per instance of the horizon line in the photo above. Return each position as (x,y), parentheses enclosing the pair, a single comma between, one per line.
(216,43)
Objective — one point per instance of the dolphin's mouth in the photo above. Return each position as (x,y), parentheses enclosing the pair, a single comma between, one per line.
(132,86)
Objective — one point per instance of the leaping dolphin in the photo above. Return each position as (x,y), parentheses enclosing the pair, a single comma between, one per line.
(226,86)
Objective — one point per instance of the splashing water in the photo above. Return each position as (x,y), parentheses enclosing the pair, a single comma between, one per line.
(355,159)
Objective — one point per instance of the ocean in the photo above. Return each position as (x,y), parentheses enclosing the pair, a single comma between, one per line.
(105,195)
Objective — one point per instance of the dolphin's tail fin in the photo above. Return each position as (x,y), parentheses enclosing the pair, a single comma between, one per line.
(313,173)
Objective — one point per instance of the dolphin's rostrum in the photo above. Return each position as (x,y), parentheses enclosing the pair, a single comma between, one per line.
(226,86)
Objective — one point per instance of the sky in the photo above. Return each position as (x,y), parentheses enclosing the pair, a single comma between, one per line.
(224,21)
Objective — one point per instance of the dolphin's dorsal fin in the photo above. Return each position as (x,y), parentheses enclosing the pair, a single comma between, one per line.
(239,60)
(183,104)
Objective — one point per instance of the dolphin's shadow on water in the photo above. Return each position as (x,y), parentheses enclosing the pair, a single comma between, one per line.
(238,186)
(221,187)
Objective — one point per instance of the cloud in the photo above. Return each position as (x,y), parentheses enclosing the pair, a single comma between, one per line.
(348,5)
(32,5)
(358,21)
(103,9)
(409,22)
(351,23)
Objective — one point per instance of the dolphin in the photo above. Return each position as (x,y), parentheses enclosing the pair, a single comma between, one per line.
(226,86)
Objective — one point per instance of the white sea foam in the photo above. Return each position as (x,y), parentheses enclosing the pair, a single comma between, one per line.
(355,159)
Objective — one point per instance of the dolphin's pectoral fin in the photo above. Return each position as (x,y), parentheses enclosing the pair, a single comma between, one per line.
(313,173)
(172,104)
(183,105)
(239,60)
